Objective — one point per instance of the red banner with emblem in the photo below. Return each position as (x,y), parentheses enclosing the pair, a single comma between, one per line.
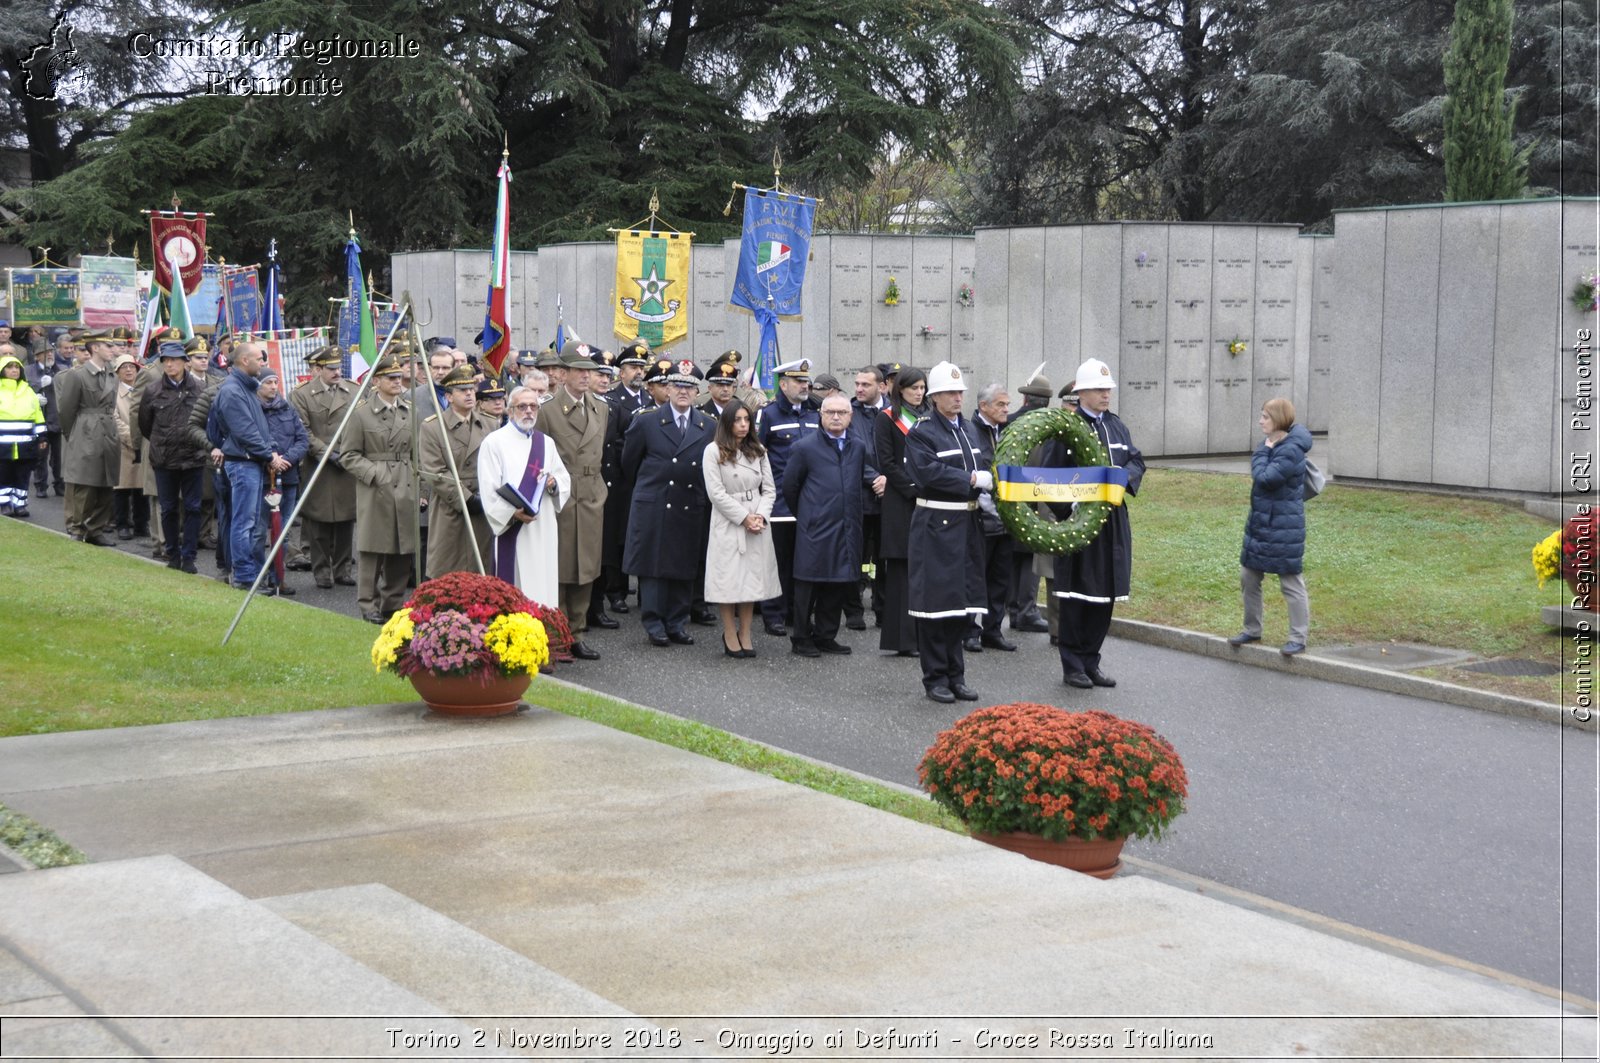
(181,238)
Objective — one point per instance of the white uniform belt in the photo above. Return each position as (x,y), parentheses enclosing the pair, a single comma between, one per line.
(931,504)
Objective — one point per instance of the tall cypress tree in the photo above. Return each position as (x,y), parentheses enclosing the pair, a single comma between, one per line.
(1480,161)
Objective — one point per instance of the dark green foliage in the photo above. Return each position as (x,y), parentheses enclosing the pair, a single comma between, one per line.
(1480,161)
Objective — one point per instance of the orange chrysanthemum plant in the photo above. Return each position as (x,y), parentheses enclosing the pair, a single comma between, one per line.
(1058,774)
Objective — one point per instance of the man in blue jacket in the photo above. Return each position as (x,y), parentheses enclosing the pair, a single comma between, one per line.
(779,426)
(238,427)
(290,439)
(822,486)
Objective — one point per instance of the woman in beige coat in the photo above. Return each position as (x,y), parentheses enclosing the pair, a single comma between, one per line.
(130,509)
(741,568)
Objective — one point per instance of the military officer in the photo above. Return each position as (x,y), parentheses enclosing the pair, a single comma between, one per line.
(604,377)
(449,548)
(492,401)
(720,380)
(328,516)
(376,450)
(670,512)
(575,421)
(630,396)
(945,543)
(779,426)
(550,360)
(86,400)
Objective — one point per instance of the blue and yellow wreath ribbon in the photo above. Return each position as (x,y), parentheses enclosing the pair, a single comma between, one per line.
(1092,483)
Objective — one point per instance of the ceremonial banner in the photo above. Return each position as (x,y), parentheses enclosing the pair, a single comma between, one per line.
(271,317)
(108,288)
(181,238)
(1089,483)
(361,343)
(148,292)
(384,315)
(652,289)
(496,323)
(208,294)
(288,349)
(44,297)
(242,290)
(773,249)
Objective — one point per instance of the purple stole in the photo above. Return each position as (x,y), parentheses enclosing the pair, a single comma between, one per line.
(505,547)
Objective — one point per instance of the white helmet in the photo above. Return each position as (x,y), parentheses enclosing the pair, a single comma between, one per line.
(1092,374)
(946,376)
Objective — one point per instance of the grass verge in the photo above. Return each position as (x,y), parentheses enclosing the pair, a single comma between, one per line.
(1381,566)
(38,845)
(100,639)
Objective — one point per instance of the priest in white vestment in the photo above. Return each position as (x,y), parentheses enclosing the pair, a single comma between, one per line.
(517,453)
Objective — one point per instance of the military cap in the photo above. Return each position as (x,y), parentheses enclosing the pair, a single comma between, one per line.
(1038,387)
(120,334)
(725,370)
(684,371)
(575,354)
(167,335)
(103,336)
(604,361)
(198,345)
(658,372)
(800,369)
(329,354)
(826,382)
(890,370)
(461,376)
(388,365)
(489,388)
(171,350)
(636,353)
(528,358)
(550,358)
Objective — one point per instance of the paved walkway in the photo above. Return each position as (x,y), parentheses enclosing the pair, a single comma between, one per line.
(413,880)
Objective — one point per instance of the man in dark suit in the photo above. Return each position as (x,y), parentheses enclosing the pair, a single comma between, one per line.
(668,517)
(779,426)
(823,487)
(627,398)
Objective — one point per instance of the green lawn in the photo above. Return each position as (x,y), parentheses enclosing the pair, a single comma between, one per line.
(1381,565)
(96,638)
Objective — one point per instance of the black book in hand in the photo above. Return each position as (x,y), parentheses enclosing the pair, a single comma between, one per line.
(521,501)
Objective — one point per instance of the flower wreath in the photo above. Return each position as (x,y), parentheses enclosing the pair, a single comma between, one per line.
(1021,519)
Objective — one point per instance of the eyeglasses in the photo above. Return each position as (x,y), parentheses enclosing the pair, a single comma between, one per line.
(526,406)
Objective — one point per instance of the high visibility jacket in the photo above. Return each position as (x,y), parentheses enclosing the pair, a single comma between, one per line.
(21,417)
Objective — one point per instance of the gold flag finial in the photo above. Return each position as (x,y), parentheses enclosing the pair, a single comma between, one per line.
(352,225)
(655,204)
(777,167)
(176,202)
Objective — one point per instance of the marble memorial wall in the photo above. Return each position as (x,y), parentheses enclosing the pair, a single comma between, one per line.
(1450,328)
(449,289)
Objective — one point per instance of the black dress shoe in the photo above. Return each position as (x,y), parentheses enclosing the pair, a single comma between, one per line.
(726,652)
(96,539)
(325,584)
(1080,680)
(804,649)
(604,621)
(998,642)
(856,623)
(124,534)
(703,617)
(832,646)
(1243,637)
(20,512)
(1030,624)
(660,640)
(973,645)
(584,653)
(1055,640)
(617,605)
(189,567)
(777,631)
(1099,678)
(680,638)
(942,695)
(374,618)
(344,581)
(964,692)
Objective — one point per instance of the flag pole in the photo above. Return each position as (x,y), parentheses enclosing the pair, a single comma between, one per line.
(333,445)
(444,435)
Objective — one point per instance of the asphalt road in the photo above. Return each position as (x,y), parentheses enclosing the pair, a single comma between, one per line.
(1467,832)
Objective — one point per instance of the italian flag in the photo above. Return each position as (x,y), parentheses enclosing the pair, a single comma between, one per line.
(769,254)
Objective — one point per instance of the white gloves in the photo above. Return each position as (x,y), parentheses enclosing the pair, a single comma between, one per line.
(983,480)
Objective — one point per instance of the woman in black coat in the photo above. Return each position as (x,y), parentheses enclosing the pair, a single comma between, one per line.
(889,430)
(1275,532)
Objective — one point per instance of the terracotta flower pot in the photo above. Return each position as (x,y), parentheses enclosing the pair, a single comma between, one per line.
(1101,858)
(456,695)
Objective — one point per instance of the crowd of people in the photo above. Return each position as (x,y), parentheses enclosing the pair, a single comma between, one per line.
(590,478)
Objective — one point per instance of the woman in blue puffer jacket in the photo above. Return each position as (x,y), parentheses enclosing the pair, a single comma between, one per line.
(1275,533)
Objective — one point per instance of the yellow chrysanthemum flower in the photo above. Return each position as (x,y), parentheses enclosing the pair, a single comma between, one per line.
(1547,557)
(520,641)
(391,639)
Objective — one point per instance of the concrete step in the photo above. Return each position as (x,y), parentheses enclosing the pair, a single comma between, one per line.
(173,963)
(436,957)
(1553,510)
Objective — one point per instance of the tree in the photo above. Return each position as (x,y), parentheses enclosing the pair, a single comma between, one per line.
(1480,161)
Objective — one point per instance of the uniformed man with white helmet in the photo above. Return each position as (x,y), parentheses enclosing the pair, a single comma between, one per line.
(1089,582)
(945,543)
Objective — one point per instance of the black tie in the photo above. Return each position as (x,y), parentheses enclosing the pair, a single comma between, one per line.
(683,428)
